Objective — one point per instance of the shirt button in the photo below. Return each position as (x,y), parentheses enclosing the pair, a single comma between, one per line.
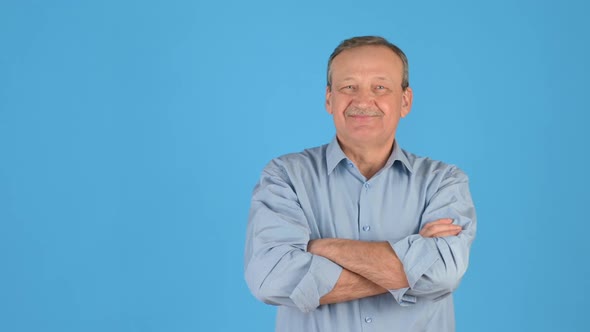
(366,228)
(368,319)
(367,185)
(349,164)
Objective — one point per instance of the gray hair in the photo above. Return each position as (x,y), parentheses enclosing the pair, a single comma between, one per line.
(369,41)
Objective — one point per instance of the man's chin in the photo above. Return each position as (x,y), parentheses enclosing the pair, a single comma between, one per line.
(365,137)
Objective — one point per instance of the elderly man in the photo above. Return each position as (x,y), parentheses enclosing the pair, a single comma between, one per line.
(359,234)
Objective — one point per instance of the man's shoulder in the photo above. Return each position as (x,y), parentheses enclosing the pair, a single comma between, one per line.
(308,159)
(307,155)
(429,168)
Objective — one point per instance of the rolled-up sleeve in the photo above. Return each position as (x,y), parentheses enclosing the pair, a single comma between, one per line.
(278,268)
(434,266)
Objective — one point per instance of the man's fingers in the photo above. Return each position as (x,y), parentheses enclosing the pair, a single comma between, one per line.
(436,223)
(441,232)
(448,233)
(441,221)
(441,226)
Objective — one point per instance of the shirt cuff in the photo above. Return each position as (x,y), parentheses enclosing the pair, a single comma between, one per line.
(417,255)
(317,282)
(402,298)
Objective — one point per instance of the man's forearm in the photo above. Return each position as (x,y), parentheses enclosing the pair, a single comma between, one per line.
(375,261)
(351,286)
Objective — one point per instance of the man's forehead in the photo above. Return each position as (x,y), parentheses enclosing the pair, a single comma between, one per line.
(379,62)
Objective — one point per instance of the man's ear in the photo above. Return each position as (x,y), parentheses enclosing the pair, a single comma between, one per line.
(328,96)
(407,97)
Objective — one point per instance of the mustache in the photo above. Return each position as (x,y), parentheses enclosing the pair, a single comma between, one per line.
(359,111)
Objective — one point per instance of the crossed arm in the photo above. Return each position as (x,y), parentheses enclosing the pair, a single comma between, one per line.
(370,268)
(283,267)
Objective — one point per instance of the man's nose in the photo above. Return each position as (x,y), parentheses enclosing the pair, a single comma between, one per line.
(364,97)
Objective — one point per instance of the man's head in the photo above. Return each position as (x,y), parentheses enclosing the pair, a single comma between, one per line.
(367,91)
(369,41)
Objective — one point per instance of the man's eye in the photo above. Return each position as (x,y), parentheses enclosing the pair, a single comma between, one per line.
(380,87)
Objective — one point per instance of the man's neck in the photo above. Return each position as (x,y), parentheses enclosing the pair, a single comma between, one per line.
(368,158)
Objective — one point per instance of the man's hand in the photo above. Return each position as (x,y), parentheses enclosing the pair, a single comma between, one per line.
(440,228)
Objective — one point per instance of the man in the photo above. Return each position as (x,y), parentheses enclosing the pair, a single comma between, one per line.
(360,235)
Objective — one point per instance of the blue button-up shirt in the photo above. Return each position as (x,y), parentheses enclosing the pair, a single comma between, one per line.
(319,193)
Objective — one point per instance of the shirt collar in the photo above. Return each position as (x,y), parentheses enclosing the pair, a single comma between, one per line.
(334,155)
(400,155)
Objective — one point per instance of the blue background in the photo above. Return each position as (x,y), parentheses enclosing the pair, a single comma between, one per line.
(132,134)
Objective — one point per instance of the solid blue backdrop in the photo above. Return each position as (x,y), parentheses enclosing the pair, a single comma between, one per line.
(132,134)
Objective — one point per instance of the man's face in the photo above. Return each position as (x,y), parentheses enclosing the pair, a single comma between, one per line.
(366,99)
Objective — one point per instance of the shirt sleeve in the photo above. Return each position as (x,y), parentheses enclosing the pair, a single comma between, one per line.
(278,268)
(434,266)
